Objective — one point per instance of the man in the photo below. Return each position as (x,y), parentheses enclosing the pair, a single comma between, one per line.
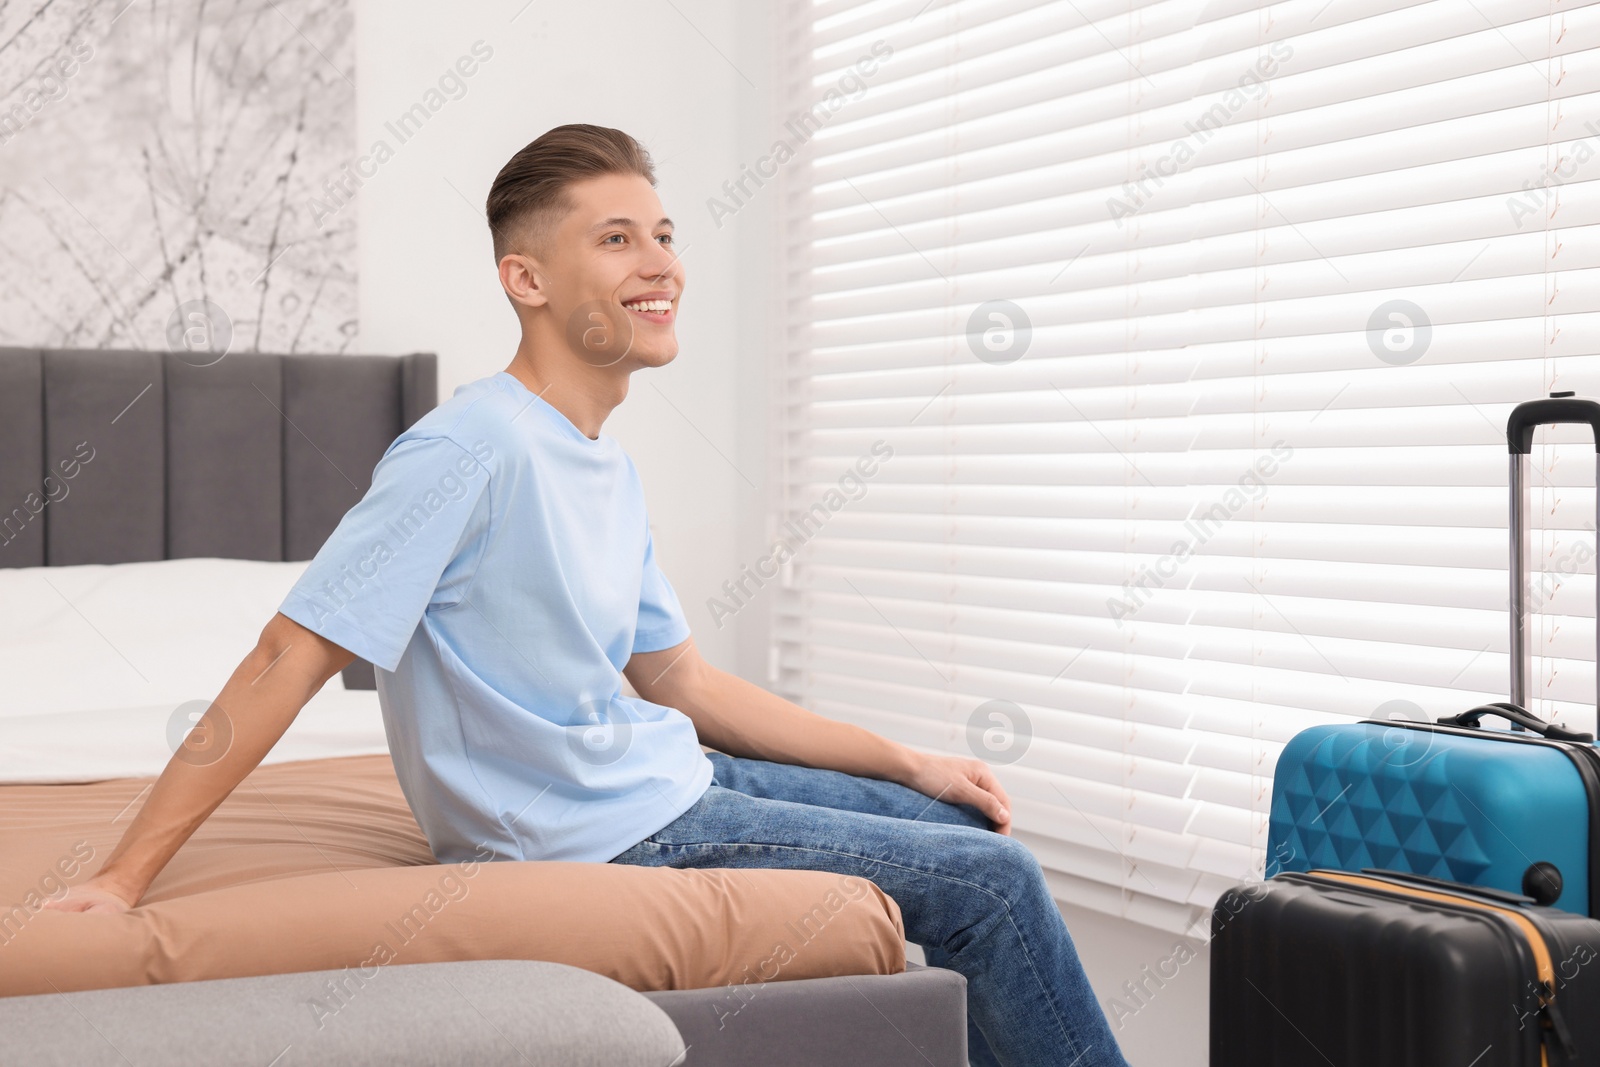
(501,575)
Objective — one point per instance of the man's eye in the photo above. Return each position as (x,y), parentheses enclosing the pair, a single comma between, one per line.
(615,237)
(665,238)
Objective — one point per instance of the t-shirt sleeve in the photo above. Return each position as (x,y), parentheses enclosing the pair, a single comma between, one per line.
(661,623)
(410,544)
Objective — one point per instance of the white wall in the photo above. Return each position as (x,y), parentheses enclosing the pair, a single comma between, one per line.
(427,282)
(673,75)
(1164,1023)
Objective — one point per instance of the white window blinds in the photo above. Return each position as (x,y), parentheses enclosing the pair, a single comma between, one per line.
(1178,339)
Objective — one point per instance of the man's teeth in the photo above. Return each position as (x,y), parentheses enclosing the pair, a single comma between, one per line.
(649,305)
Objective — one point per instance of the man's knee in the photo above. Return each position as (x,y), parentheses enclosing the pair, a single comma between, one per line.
(1006,859)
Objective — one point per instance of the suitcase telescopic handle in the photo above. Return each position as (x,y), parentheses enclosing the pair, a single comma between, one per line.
(1561,407)
(1511,712)
(1552,410)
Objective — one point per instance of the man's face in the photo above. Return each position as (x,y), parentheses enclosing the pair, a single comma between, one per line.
(611,276)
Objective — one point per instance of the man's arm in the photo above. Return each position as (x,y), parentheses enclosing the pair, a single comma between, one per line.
(733,716)
(267,690)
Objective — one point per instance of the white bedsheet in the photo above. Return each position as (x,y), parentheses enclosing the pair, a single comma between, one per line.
(92,745)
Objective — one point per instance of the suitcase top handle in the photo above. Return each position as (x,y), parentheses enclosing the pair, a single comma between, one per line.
(1548,730)
(1556,408)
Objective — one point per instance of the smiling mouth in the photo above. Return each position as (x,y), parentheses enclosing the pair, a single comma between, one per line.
(659,311)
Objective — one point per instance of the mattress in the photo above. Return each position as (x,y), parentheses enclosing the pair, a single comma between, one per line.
(108,666)
(319,865)
(91,745)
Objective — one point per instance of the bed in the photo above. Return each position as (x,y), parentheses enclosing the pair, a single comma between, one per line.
(153,510)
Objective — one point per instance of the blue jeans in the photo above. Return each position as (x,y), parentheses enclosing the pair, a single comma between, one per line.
(975,901)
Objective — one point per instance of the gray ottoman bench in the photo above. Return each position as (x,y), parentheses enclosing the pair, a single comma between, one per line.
(515,1013)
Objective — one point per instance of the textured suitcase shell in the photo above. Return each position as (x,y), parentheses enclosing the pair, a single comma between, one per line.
(1473,806)
(1307,970)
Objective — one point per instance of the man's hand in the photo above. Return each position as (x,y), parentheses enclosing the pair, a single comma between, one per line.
(91,896)
(962,781)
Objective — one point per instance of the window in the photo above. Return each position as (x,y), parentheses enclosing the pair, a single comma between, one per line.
(1178,340)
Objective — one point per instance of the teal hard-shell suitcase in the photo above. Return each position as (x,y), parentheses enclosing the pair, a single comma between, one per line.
(1516,809)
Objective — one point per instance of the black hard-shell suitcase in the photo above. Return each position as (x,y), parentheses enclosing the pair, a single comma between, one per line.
(1377,969)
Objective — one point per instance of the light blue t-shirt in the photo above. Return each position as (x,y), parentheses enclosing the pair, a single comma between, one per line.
(499,573)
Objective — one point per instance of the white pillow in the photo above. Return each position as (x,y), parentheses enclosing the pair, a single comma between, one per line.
(131,634)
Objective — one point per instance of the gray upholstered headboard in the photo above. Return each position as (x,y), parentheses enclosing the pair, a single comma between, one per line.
(252,457)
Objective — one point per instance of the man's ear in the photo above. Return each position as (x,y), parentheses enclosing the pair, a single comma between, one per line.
(523,280)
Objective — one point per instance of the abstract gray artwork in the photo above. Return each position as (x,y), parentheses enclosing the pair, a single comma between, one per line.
(158,163)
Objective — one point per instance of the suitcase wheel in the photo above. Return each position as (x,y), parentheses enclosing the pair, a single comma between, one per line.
(1542,882)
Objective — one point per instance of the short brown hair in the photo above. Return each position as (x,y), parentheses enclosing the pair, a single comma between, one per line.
(530,192)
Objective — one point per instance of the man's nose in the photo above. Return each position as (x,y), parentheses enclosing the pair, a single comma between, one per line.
(664,264)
